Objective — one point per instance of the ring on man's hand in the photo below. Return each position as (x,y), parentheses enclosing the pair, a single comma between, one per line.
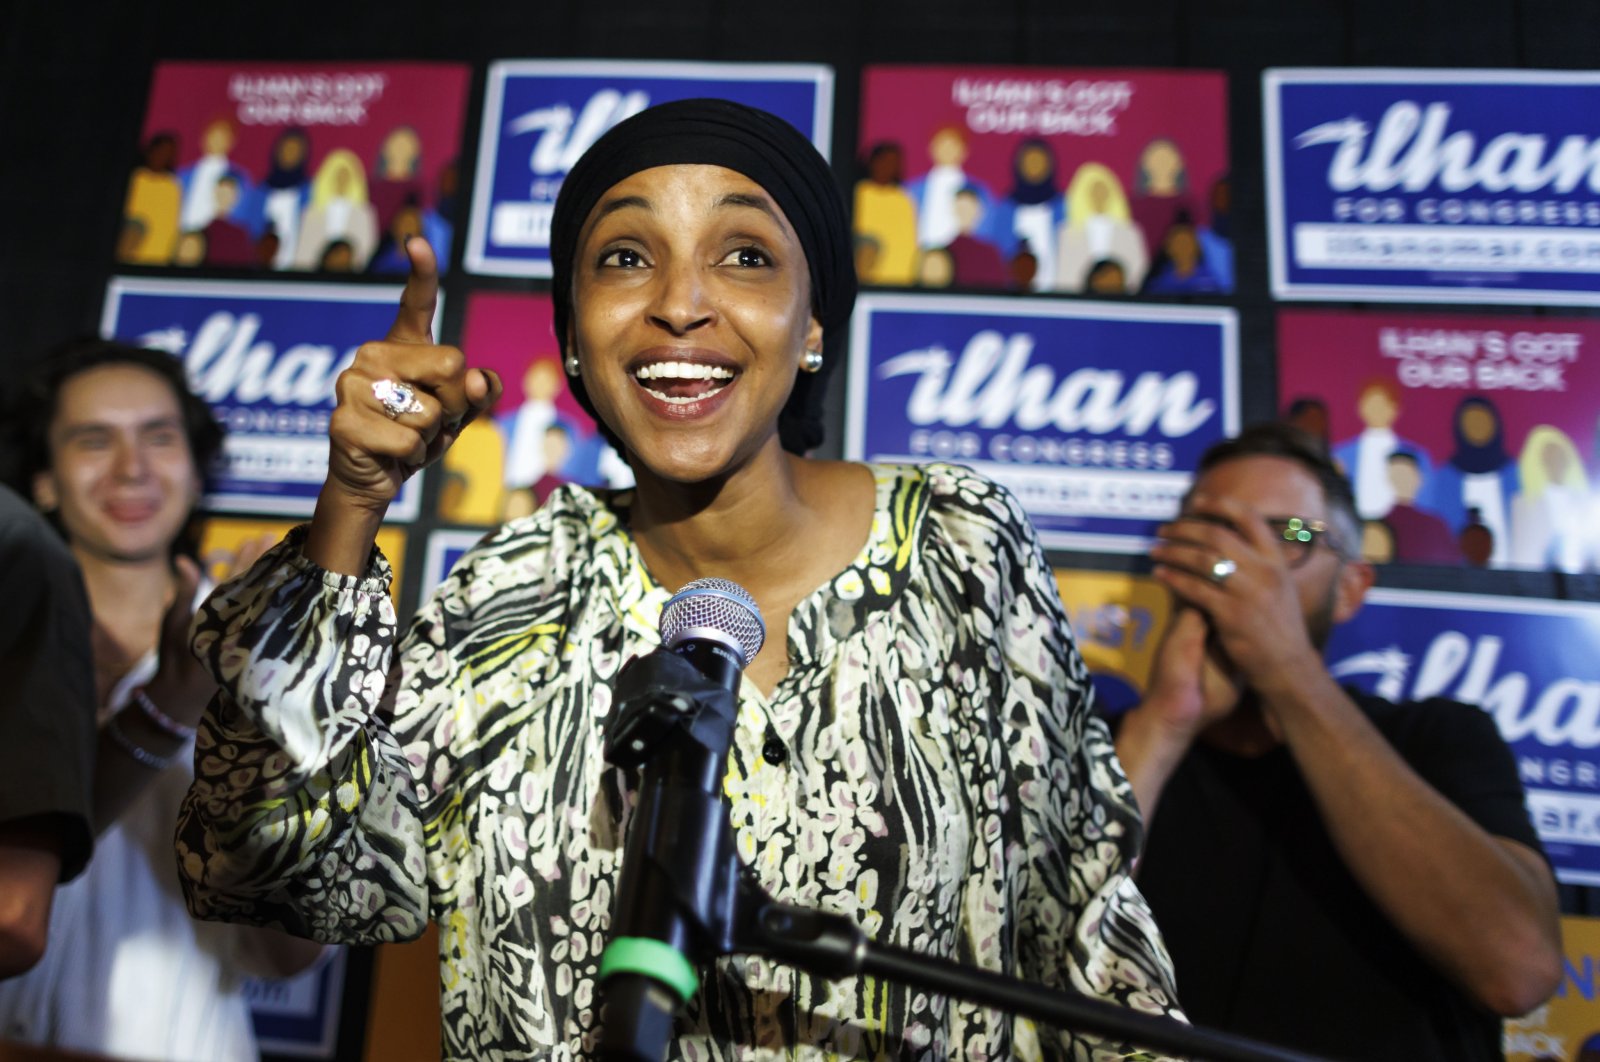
(395,397)
(1221,569)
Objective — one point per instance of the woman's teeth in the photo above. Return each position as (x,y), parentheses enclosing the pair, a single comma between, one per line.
(683,370)
(682,382)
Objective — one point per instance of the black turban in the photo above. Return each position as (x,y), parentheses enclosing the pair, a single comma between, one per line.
(762,147)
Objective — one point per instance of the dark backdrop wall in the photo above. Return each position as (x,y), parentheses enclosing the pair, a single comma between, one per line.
(75,76)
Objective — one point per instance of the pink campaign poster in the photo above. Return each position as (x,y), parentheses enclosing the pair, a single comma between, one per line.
(295,166)
(538,437)
(1110,182)
(1469,440)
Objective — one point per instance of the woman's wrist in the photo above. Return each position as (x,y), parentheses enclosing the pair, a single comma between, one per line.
(342,533)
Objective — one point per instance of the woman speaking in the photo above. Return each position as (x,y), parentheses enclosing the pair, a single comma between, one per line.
(914,746)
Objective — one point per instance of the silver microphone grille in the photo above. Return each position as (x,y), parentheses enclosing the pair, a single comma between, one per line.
(717,609)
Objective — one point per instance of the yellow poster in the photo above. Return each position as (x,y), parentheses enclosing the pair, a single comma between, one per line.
(1118,619)
(1567,1028)
(224,536)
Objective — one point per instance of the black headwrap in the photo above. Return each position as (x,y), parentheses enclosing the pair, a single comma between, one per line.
(770,152)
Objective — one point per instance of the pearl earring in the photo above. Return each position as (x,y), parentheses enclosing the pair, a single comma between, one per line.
(811,361)
(572,365)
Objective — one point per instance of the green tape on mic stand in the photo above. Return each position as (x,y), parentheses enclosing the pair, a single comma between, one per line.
(652,958)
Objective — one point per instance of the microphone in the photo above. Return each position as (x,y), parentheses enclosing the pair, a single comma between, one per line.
(676,711)
(717,626)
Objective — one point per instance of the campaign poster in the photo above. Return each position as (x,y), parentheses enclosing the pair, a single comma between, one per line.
(537,437)
(1529,663)
(1118,619)
(319,167)
(1469,440)
(1109,182)
(227,541)
(539,116)
(266,357)
(299,1016)
(444,549)
(1093,414)
(1472,186)
(1567,1027)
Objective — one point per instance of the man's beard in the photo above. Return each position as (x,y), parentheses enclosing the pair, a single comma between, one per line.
(1319,623)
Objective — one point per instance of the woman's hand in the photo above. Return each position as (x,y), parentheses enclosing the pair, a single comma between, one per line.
(375,449)
(401,404)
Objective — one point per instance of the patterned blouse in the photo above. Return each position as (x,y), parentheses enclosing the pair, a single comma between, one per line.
(942,780)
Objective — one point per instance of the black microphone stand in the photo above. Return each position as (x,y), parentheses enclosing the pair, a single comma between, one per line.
(833,946)
(728,912)
(679,869)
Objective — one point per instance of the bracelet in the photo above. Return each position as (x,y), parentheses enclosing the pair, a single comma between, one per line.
(134,749)
(161,719)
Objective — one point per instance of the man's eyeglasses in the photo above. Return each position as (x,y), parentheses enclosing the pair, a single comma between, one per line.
(1298,538)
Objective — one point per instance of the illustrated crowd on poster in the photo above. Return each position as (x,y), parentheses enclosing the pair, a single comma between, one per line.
(1468,440)
(538,437)
(1104,182)
(291,168)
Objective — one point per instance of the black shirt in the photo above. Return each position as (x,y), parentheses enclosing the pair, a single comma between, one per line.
(47,700)
(1271,937)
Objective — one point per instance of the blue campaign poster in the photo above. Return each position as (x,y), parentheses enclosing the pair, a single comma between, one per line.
(539,116)
(1528,663)
(300,1015)
(1093,414)
(1467,186)
(265,355)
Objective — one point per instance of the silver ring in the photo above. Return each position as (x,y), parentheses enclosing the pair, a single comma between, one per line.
(1221,569)
(395,397)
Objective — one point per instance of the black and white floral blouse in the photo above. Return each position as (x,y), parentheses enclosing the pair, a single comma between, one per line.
(943,781)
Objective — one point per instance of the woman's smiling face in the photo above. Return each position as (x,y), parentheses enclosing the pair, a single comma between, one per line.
(691,310)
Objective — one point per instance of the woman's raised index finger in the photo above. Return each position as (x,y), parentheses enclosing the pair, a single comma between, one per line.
(413,323)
